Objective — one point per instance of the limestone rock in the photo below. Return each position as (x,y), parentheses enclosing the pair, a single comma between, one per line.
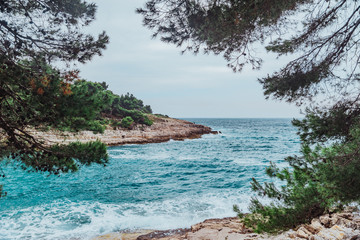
(336,226)
(316,225)
(127,235)
(334,233)
(232,223)
(325,220)
(160,131)
(220,229)
(302,232)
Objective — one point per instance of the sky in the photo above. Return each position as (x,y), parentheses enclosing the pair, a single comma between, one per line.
(182,86)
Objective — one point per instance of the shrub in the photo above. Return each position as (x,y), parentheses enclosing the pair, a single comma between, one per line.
(325,178)
(115,123)
(147,121)
(80,123)
(127,122)
(161,115)
(96,127)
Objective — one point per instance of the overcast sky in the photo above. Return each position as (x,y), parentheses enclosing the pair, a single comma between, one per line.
(177,85)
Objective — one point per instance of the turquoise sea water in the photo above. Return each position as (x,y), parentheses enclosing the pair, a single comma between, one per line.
(154,186)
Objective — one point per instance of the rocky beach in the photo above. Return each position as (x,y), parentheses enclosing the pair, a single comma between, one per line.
(336,226)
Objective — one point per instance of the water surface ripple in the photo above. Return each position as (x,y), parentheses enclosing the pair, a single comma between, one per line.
(155,186)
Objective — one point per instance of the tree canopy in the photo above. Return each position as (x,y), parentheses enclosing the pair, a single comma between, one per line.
(322,33)
(35,35)
(322,37)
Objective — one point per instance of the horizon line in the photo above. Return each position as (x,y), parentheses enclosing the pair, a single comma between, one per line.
(236,117)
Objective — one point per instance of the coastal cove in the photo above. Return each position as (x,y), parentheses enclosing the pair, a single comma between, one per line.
(161,186)
(88,150)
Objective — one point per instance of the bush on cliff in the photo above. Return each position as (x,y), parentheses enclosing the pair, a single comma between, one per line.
(119,112)
(130,102)
(127,122)
(115,124)
(74,124)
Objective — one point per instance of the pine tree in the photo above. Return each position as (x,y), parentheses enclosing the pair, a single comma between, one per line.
(323,38)
(35,34)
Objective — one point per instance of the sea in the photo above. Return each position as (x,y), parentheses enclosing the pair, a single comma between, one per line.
(154,186)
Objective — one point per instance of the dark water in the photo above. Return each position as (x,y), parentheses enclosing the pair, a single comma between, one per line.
(156,186)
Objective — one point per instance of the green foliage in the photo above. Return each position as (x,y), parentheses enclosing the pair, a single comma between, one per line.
(87,100)
(147,121)
(32,93)
(324,178)
(223,27)
(81,109)
(321,125)
(127,122)
(63,158)
(322,41)
(72,124)
(147,109)
(161,115)
(296,202)
(115,123)
(122,104)
(139,117)
(130,102)
(117,111)
(325,175)
(86,153)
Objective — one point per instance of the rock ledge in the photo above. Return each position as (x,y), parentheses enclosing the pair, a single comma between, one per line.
(163,130)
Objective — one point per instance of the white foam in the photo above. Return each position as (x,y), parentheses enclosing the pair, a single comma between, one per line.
(66,219)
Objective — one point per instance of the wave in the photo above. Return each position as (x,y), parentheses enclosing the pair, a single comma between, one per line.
(66,219)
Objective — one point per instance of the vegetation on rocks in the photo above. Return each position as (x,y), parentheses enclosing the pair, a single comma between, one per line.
(91,106)
(127,122)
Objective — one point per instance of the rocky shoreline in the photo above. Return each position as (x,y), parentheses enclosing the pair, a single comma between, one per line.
(162,130)
(336,226)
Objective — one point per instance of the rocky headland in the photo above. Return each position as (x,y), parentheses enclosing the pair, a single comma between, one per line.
(162,130)
(336,226)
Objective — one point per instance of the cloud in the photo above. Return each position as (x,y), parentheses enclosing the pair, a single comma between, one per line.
(175,84)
